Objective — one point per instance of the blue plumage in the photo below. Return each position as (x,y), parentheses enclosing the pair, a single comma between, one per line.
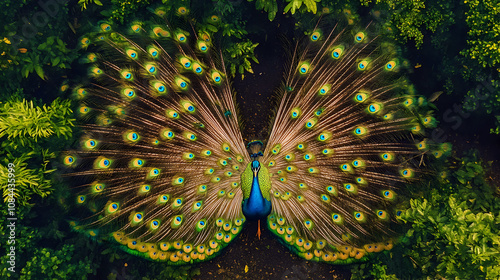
(256,206)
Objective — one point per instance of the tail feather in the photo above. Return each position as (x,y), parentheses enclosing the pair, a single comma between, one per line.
(162,151)
(343,140)
(160,166)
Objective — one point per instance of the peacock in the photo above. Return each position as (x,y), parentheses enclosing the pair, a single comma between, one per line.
(165,174)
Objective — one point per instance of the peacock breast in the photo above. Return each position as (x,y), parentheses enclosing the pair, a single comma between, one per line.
(256,196)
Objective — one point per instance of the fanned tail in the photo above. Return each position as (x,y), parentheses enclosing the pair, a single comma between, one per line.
(162,158)
(347,135)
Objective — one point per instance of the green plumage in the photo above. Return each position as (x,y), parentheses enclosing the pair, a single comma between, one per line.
(246,181)
(165,168)
(264,182)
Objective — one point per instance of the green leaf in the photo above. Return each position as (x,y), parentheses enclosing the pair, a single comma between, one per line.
(195,272)
(211,28)
(25,71)
(40,72)
(272,11)
(50,40)
(55,61)
(311,6)
(233,69)
(107,251)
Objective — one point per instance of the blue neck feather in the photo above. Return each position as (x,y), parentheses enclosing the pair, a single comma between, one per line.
(256,206)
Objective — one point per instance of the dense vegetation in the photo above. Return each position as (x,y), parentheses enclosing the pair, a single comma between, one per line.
(452,225)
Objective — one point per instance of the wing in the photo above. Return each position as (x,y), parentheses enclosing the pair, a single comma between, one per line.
(343,140)
(162,150)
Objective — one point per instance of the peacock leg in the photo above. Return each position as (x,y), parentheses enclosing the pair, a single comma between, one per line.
(258,229)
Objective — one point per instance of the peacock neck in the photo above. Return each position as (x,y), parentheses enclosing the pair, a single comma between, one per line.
(256,206)
(256,193)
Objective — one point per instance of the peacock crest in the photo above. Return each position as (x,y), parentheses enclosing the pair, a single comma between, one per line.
(164,170)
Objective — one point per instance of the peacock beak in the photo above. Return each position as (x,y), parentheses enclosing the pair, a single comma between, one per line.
(255,167)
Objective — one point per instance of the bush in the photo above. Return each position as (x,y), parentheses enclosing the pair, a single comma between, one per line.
(454,230)
(55,264)
(27,132)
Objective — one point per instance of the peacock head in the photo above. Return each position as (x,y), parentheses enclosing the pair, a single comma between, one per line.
(255,167)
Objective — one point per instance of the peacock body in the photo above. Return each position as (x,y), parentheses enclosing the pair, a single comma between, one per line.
(165,171)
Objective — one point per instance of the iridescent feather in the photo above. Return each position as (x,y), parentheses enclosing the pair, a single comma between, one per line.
(343,142)
(165,161)
(169,178)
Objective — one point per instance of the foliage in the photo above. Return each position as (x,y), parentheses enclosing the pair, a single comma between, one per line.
(113,254)
(413,18)
(24,128)
(309,6)
(269,6)
(484,34)
(486,98)
(11,79)
(240,54)
(483,48)
(52,52)
(454,229)
(455,243)
(236,29)
(7,14)
(122,9)
(26,238)
(497,129)
(376,270)
(31,41)
(23,123)
(461,66)
(35,258)
(224,7)
(56,264)
(27,181)
(171,272)
(84,3)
